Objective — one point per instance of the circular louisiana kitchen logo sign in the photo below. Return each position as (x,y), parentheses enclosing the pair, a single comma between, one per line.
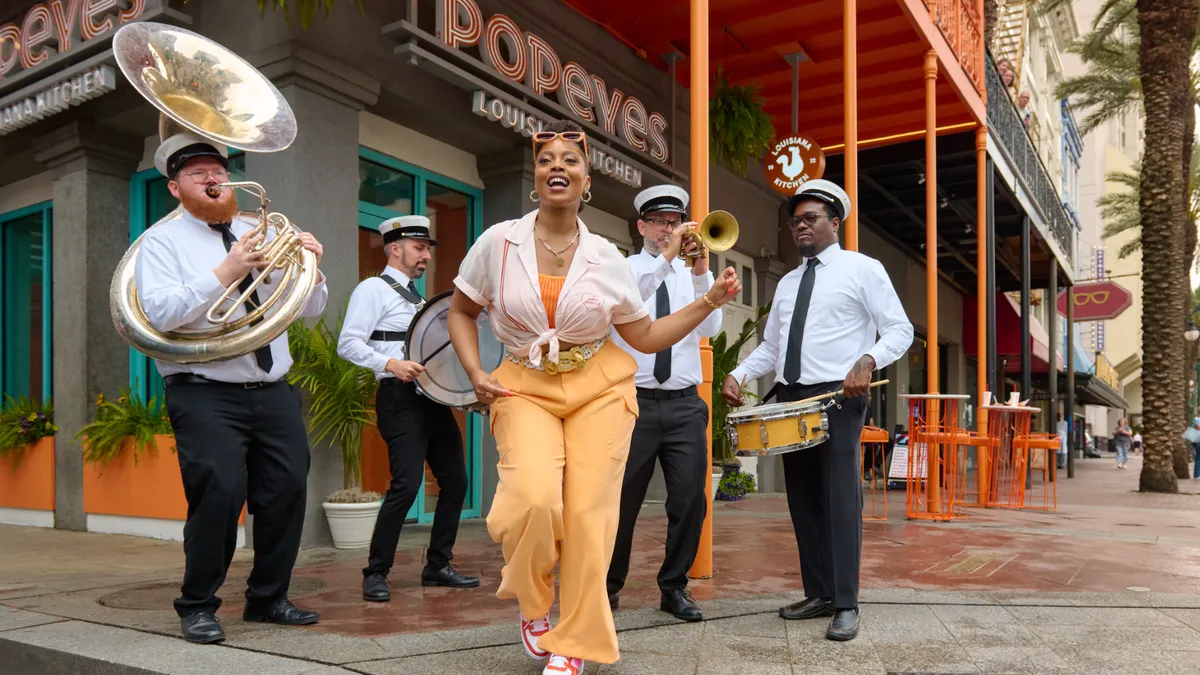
(792,161)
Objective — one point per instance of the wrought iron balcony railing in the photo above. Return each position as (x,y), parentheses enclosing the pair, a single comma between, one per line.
(1005,123)
(961,25)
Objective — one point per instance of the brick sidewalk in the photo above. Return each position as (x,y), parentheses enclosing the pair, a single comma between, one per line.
(1104,540)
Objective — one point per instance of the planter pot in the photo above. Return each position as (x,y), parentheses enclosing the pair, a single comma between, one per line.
(148,487)
(352,524)
(750,466)
(716,480)
(27,483)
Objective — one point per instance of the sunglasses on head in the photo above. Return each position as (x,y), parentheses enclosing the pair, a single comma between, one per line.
(544,137)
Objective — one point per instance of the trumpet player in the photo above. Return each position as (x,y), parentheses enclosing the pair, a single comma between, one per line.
(673,423)
(238,430)
(417,429)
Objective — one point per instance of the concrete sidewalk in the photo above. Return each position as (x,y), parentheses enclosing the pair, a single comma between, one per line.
(1110,582)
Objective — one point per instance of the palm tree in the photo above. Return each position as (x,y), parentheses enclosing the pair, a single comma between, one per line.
(1121,213)
(1139,52)
(1168,30)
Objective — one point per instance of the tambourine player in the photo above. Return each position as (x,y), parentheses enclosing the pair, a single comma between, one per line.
(821,337)
(416,429)
(673,425)
(238,430)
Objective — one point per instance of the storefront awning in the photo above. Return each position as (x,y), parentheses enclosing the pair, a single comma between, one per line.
(1089,390)
(1008,336)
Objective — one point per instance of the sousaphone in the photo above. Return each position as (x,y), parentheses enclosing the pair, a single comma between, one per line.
(200,86)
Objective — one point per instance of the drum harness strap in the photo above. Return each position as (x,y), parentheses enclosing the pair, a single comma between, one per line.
(407,294)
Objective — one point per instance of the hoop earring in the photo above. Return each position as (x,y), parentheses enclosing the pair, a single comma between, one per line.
(533,196)
(587,196)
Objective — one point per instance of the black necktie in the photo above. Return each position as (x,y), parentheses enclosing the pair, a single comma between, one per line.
(412,286)
(791,362)
(662,360)
(262,354)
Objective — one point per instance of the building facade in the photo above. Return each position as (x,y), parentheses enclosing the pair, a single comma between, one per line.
(427,114)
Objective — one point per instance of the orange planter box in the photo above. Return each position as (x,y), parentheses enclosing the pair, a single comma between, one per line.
(151,488)
(29,483)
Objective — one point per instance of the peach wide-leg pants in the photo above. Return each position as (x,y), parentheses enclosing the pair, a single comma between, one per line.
(563,441)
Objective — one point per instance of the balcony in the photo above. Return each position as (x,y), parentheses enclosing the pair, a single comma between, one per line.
(1004,123)
(961,25)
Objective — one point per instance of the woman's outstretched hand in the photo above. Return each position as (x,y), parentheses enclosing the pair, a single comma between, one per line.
(726,287)
(487,388)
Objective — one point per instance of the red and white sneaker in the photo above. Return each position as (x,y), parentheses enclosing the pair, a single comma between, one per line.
(530,632)
(563,665)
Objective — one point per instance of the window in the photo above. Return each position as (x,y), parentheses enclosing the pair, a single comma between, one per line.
(25,280)
(149,201)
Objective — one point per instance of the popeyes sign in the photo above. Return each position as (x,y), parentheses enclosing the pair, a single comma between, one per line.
(55,27)
(526,58)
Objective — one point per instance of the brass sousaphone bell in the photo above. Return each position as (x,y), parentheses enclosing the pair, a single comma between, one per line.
(718,232)
(200,86)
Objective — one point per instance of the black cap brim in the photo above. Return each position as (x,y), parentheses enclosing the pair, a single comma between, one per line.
(663,209)
(190,152)
(795,200)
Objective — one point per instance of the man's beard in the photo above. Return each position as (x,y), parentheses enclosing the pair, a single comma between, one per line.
(219,210)
(653,246)
(806,250)
(411,270)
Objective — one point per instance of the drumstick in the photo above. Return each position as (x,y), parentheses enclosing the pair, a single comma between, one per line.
(435,352)
(833,393)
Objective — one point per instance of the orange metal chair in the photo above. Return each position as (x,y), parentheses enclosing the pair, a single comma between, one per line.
(1040,491)
(873,441)
(1007,455)
(936,481)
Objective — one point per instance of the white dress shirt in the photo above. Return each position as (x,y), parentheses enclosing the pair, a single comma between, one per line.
(683,288)
(176,286)
(375,305)
(852,301)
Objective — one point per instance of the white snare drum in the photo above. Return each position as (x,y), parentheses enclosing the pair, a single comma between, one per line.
(444,379)
(777,428)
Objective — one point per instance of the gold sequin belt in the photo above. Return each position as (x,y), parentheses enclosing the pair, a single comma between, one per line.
(568,360)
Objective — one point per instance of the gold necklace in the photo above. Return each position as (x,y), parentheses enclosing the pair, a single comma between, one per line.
(558,260)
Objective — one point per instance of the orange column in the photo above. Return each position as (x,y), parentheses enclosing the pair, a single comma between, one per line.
(850,109)
(931,206)
(934,470)
(981,234)
(698,180)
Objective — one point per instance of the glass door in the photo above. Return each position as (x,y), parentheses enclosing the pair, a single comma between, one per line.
(25,315)
(390,188)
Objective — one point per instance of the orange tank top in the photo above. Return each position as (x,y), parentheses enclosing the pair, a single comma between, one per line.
(551,286)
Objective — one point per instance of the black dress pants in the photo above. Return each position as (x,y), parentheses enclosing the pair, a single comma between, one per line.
(673,431)
(824,491)
(417,430)
(239,446)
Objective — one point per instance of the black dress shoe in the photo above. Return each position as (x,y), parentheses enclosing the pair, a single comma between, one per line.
(614,601)
(201,628)
(843,626)
(680,604)
(447,576)
(811,608)
(282,612)
(375,588)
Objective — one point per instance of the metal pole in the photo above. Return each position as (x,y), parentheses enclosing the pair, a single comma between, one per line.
(982,232)
(794,59)
(698,184)
(933,367)
(993,383)
(1052,367)
(1026,363)
(1070,404)
(850,118)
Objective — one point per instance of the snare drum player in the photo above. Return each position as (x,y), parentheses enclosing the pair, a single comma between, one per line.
(239,435)
(563,402)
(417,429)
(672,426)
(820,337)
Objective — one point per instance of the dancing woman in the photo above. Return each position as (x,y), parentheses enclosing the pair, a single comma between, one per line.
(563,403)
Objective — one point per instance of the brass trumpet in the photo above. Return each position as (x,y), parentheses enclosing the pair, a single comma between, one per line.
(718,232)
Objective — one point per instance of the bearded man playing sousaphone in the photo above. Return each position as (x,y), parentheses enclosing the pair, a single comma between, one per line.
(238,430)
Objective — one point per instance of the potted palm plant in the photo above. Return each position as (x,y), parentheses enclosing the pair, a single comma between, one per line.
(725,359)
(340,397)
